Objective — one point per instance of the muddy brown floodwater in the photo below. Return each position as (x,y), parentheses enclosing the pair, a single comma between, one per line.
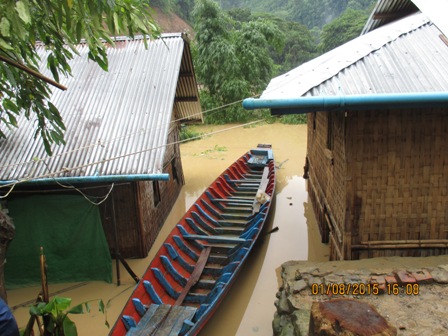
(249,307)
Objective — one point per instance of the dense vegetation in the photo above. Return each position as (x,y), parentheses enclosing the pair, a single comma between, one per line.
(237,51)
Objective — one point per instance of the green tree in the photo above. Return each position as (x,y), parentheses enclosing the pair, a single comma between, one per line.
(165,5)
(184,9)
(299,47)
(232,61)
(345,28)
(59,24)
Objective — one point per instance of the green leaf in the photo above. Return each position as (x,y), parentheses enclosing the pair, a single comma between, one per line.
(116,24)
(62,303)
(10,106)
(46,144)
(5,27)
(101,306)
(12,119)
(35,311)
(5,45)
(11,76)
(78,31)
(69,327)
(77,309)
(24,11)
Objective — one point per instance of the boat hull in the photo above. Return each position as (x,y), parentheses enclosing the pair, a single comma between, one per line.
(203,254)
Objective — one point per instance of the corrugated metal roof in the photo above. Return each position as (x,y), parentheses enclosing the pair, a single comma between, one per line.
(113,118)
(404,56)
(387,11)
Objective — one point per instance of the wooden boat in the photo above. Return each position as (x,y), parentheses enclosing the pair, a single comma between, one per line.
(199,260)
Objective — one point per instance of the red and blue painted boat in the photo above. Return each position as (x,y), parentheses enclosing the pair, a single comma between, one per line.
(201,257)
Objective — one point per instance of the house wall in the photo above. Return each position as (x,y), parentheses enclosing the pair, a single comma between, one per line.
(138,217)
(327,176)
(119,218)
(399,164)
(154,215)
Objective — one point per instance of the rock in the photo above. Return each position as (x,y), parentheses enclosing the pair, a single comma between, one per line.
(282,326)
(310,280)
(276,324)
(333,279)
(295,301)
(289,270)
(309,269)
(301,319)
(283,305)
(298,286)
(347,317)
(440,274)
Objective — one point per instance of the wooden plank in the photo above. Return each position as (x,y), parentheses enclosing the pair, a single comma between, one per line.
(195,275)
(264,179)
(262,188)
(216,239)
(162,320)
(232,200)
(173,324)
(144,321)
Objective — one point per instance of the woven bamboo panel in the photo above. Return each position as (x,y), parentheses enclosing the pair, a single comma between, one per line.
(327,172)
(401,168)
(383,182)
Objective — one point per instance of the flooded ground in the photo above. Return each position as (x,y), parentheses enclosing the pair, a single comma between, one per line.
(249,307)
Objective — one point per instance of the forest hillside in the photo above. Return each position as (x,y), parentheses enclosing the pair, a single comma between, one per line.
(238,46)
(311,13)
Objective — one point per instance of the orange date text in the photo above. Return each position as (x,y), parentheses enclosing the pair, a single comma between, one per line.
(345,289)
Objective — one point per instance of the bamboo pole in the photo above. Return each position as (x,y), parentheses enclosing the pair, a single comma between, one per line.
(399,246)
(32,72)
(43,274)
(406,241)
(336,247)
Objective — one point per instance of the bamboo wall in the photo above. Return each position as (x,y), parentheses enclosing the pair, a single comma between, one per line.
(400,165)
(327,176)
(383,188)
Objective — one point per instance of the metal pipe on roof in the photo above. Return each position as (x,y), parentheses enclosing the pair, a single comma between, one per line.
(90,179)
(351,102)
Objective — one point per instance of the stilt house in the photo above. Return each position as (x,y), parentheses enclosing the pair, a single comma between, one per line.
(121,152)
(377,150)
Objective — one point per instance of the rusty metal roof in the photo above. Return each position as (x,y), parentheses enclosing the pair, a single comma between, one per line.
(408,55)
(117,121)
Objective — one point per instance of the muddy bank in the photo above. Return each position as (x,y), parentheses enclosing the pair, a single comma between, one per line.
(413,308)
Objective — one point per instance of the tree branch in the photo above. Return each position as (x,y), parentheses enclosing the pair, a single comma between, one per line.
(32,72)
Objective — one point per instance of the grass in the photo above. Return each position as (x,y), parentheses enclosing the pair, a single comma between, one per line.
(188,134)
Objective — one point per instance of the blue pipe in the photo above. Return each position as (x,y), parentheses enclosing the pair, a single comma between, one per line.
(350,102)
(90,179)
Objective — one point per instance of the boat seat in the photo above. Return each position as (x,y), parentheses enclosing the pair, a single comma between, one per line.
(216,239)
(161,320)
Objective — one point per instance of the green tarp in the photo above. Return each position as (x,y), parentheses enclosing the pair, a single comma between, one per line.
(69,229)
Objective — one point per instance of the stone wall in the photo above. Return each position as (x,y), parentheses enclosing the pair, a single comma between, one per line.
(407,292)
